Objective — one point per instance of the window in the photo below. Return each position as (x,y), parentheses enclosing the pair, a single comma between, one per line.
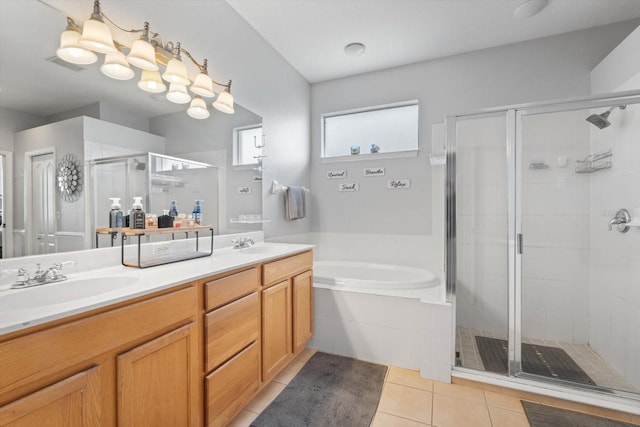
(392,128)
(247,145)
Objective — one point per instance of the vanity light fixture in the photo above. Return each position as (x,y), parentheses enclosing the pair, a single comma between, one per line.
(79,46)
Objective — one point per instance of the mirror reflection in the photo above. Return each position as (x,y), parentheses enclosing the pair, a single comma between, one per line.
(128,143)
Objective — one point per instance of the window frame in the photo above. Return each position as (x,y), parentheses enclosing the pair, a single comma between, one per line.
(236,146)
(368,156)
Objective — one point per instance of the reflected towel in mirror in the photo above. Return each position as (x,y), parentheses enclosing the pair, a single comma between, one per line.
(294,202)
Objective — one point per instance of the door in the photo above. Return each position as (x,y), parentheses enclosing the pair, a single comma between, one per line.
(73,402)
(302,310)
(43,204)
(156,382)
(578,270)
(276,328)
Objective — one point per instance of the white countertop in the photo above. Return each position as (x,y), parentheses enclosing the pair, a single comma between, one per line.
(144,281)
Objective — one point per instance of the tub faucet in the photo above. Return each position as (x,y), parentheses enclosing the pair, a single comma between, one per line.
(620,221)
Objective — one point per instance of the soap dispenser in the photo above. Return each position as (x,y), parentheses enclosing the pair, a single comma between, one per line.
(173,210)
(115,216)
(138,217)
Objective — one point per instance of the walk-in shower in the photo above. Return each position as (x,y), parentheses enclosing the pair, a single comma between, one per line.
(546,290)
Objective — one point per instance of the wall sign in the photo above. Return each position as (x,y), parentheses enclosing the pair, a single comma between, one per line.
(244,189)
(353,186)
(373,172)
(336,174)
(399,184)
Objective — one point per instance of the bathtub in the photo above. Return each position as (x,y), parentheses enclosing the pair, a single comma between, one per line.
(387,314)
(379,279)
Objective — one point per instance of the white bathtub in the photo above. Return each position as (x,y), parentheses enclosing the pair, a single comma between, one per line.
(387,314)
(380,279)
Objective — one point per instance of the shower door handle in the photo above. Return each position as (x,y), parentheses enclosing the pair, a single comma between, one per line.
(519,243)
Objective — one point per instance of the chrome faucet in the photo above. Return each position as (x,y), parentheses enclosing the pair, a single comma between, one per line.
(620,221)
(242,242)
(40,277)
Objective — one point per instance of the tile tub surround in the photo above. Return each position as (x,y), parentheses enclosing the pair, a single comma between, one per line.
(147,281)
(404,332)
(408,400)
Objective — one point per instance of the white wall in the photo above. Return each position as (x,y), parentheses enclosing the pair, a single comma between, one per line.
(615,258)
(12,121)
(549,68)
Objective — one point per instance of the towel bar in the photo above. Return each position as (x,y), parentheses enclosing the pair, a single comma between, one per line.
(277,188)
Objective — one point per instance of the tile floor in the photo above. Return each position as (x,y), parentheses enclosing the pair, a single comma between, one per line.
(410,401)
(598,370)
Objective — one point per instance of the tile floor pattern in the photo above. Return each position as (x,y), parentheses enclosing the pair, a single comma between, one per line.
(410,401)
(598,370)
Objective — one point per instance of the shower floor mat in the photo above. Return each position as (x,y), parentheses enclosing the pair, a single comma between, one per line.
(552,362)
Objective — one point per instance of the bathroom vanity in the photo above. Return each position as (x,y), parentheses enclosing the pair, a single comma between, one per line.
(192,353)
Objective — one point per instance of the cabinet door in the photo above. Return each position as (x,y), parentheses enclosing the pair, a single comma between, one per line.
(72,402)
(156,385)
(302,310)
(276,328)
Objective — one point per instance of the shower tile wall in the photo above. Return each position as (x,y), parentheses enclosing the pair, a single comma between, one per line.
(615,258)
(555,227)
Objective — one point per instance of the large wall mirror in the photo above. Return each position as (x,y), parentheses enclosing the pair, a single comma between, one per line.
(51,114)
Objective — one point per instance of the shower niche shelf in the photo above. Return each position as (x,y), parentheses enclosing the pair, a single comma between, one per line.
(594,163)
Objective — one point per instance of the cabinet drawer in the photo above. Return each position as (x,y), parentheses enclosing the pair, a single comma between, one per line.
(277,271)
(231,386)
(231,328)
(221,291)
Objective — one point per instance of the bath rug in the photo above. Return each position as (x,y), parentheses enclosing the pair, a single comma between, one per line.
(328,391)
(548,416)
(552,362)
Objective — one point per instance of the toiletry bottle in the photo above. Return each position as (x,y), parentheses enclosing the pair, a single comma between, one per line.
(197,213)
(115,216)
(173,210)
(127,219)
(165,220)
(138,217)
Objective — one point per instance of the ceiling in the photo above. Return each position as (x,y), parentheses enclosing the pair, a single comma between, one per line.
(311,34)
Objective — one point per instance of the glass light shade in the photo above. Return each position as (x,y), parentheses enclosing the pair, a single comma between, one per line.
(203,86)
(143,55)
(150,81)
(198,109)
(97,37)
(224,103)
(178,94)
(72,52)
(176,72)
(117,67)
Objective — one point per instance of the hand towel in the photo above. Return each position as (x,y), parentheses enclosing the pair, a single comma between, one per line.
(294,202)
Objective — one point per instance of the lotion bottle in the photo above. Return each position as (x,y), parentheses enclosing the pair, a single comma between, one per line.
(138,218)
(115,216)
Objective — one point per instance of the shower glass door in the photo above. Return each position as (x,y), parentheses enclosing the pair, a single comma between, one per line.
(579,275)
(481,264)
(542,267)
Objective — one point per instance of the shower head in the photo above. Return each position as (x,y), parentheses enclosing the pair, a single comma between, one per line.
(601,120)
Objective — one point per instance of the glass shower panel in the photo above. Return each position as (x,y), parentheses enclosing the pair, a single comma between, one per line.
(481,282)
(579,280)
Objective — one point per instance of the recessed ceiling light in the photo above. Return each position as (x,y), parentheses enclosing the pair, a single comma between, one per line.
(528,8)
(354,49)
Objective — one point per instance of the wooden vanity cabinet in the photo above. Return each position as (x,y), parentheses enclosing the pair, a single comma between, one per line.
(114,366)
(286,311)
(232,342)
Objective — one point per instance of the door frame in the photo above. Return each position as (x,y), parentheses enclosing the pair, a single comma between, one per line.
(7,204)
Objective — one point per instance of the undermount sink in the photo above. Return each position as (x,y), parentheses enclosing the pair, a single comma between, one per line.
(262,249)
(62,292)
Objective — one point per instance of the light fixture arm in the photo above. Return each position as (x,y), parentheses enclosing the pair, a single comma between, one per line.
(227,87)
(72,26)
(97,13)
(202,68)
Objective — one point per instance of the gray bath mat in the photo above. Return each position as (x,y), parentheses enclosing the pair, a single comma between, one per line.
(547,416)
(328,391)
(552,362)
